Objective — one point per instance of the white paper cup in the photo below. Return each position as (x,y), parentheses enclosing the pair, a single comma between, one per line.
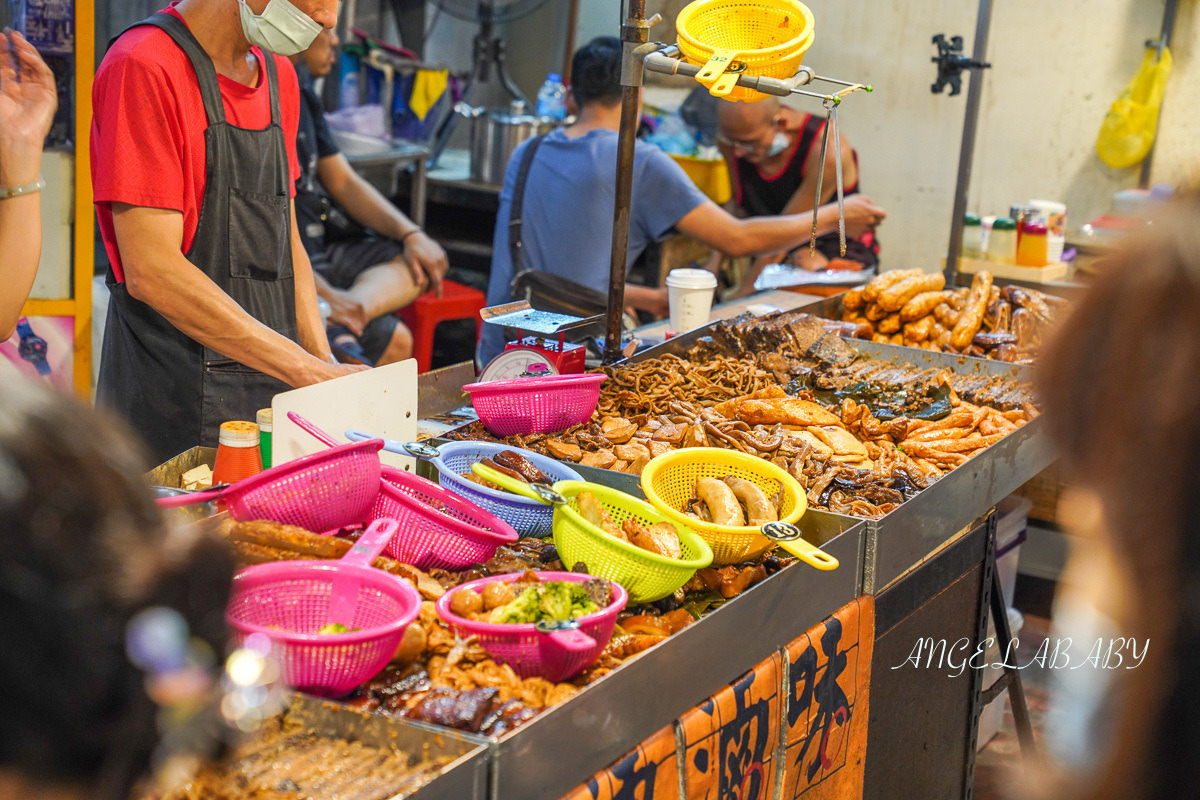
(690,295)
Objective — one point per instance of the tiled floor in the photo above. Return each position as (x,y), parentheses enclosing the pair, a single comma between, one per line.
(994,761)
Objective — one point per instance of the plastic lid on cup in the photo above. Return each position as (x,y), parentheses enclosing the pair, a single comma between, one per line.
(691,279)
(265,420)
(972,219)
(237,433)
(1004,224)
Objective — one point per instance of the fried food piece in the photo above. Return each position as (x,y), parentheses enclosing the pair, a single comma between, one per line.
(617,430)
(919,331)
(721,501)
(885,281)
(875,312)
(889,324)
(971,317)
(660,538)
(789,411)
(602,459)
(759,509)
(564,450)
(853,299)
(594,512)
(922,305)
(894,297)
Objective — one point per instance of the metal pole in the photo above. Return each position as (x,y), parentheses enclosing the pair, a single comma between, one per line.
(1164,41)
(967,154)
(633,34)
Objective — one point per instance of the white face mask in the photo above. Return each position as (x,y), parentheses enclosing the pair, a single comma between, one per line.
(281,28)
(778,144)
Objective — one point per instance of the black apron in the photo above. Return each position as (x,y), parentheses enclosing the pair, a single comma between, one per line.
(173,390)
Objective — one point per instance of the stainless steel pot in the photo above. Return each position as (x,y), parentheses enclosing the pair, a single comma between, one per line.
(495,134)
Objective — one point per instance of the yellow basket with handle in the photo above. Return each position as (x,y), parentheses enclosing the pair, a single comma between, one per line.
(727,38)
(645,575)
(669,482)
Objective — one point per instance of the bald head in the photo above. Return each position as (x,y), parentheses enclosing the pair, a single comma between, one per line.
(750,128)
(740,115)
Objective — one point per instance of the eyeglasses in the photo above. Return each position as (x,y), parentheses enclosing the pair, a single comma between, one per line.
(741,145)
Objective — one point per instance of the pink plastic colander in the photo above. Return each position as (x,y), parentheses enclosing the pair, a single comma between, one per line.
(289,601)
(534,650)
(523,406)
(438,529)
(319,492)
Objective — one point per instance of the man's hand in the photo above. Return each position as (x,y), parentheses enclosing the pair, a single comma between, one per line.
(862,215)
(426,260)
(346,311)
(318,371)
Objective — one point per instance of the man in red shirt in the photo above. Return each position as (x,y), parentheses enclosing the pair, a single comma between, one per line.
(213,307)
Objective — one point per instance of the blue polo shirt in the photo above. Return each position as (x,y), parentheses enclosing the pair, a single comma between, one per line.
(568,213)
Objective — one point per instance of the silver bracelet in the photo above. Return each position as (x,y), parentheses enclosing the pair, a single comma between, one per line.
(28,188)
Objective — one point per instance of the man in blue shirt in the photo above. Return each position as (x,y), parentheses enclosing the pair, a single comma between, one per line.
(568,201)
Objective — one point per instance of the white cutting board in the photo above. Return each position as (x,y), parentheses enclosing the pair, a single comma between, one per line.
(380,401)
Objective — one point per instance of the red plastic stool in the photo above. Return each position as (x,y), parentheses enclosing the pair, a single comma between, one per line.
(423,315)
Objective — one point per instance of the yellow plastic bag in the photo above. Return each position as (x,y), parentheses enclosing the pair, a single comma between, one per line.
(1127,132)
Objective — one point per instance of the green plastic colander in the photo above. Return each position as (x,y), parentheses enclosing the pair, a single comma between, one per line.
(646,576)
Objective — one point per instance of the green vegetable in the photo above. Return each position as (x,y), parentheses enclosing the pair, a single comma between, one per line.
(555,601)
(336,627)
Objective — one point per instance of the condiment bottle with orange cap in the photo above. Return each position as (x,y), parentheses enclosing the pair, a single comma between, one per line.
(238,455)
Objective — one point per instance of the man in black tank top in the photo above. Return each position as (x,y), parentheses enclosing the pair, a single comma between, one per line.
(773,153)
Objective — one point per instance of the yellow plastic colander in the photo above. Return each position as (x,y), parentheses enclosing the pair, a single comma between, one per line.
(669,481)
(766,38)
(646,576)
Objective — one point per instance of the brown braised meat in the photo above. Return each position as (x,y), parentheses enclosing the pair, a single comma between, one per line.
(524,468)
(465,710)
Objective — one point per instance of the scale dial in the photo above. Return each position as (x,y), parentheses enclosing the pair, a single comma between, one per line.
(512,363)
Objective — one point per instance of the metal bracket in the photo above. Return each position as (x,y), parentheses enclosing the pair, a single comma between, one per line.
(951,63)
(550,626)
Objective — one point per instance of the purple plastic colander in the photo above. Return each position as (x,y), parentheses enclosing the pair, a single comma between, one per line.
(290,601)
(556,655)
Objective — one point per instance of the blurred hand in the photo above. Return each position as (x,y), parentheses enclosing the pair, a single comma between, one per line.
(346,311)
(862,215)
(658,303)
(28,98)
(426,260)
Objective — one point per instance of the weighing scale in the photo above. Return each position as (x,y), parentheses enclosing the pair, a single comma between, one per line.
(542,349)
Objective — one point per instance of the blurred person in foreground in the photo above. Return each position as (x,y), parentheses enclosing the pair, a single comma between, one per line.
(88,568)
(1119,382)
(28,99)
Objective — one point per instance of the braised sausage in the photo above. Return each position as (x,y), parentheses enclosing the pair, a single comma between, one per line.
(894,298)
(885,280)
(889,324)
(971,316)
(922,305)
(758,507)
(721,501)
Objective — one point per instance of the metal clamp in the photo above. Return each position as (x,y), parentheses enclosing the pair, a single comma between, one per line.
(552,625)
(548,494)
(421,450)
(781,531)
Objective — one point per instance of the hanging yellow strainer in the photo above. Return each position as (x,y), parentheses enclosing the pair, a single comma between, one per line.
(766,38)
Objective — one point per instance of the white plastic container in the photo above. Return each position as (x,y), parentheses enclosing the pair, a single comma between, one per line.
(690,296)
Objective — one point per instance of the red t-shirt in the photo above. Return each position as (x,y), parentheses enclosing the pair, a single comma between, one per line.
(148,124)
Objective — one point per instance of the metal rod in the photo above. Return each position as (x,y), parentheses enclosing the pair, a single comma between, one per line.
(1164,41)
(812,242)
(966,155)
(633,33)
(837,156)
